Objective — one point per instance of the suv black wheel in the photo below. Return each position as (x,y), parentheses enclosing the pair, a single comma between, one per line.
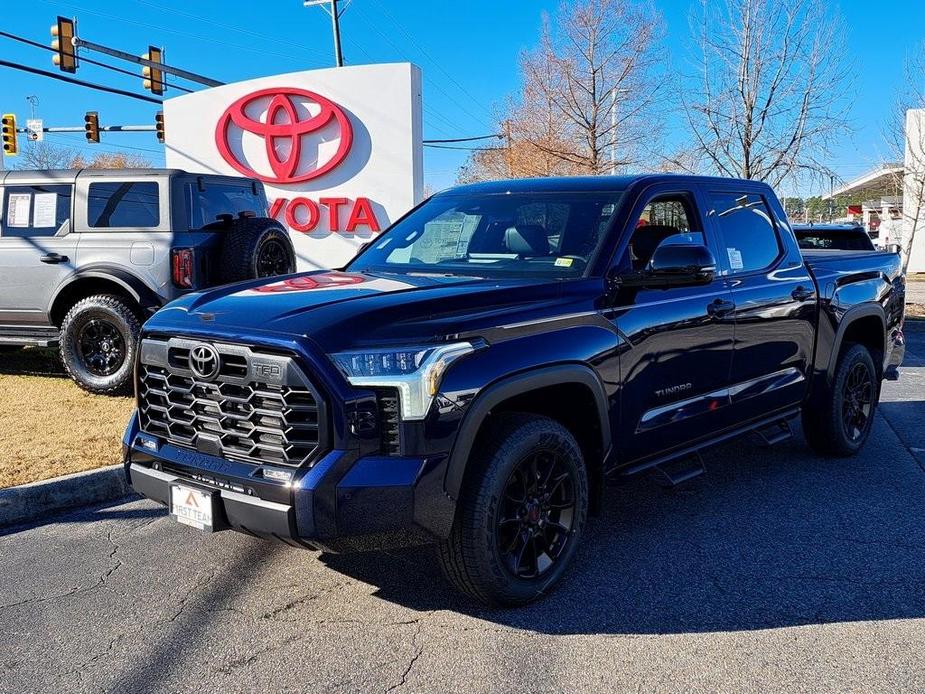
(256,247)
(840,422)
(99,338)
(522,514)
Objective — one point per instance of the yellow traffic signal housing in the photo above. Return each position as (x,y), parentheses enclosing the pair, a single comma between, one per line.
(153,77)
(92,126)
(10,146)
(159,126)
(62,42)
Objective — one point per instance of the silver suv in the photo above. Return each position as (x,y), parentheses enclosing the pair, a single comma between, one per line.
(87,255)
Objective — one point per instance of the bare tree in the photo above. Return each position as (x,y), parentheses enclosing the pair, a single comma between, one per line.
(45,155)
(588,92)
(769,101)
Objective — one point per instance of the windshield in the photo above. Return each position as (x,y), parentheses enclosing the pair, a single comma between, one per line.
(516,234)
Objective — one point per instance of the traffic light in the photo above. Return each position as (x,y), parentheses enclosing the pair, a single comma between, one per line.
(92,126)
(10,147)
(63,34)
(153,77)
(159,126)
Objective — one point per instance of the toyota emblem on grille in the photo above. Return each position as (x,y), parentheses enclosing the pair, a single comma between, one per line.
(203,362)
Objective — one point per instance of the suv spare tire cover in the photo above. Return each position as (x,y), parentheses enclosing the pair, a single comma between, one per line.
(255,247)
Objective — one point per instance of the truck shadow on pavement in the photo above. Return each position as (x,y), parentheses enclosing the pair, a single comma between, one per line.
(767,538)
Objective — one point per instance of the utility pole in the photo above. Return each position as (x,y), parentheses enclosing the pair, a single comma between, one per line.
(330,6)
(613,129)
(508,149)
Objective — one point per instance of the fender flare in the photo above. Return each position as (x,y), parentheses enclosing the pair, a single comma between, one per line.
(852,315)
(142,294)
(511,386)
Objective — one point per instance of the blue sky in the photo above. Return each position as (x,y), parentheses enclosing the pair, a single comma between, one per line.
(467,50)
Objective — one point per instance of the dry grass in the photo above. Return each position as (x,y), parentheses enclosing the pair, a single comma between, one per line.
(48,425)
(915,310)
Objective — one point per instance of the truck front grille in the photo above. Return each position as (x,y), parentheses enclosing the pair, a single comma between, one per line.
(257,407)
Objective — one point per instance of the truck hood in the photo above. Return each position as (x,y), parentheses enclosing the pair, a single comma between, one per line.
(340,310)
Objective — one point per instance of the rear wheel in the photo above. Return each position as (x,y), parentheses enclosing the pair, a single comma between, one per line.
(99,338)
(522,513)
(839,423)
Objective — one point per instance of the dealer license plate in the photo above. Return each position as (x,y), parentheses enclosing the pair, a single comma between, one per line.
(192,507)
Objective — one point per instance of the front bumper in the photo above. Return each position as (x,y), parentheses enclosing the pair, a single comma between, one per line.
(343,502)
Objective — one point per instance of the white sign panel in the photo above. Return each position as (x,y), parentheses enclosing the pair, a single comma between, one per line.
(338,150)
(35,128)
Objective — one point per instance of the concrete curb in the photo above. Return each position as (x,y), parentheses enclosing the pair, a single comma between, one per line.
(38,500)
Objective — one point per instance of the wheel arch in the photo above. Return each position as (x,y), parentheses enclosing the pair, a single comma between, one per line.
(864,324)
(101,279)
(534,391)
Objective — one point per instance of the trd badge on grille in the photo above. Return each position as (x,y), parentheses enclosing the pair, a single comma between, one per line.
(203,362)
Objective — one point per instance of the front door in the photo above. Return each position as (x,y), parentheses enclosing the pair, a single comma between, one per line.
(37,252)
(678,341)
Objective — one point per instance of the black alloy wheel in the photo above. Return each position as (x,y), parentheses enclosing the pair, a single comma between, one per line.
(838,417)
(102,347)
(273,259)
(857,401)
(522,511)
(536,514)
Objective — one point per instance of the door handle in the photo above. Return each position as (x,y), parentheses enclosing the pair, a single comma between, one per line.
(52,258)
(720,307)
(801,293)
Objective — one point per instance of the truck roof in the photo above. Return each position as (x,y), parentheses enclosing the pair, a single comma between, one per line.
(585,183)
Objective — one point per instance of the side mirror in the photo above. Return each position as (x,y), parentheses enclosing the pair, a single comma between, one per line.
(676,265)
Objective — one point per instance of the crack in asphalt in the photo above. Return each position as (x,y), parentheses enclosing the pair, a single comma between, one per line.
(185,600)
(909,449)
(418,650)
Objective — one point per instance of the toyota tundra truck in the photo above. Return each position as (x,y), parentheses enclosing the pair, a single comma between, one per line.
(475,375)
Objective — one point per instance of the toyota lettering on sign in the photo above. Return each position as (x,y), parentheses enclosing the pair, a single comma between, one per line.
(338,150)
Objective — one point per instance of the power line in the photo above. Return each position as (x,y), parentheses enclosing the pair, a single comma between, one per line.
(205,39)
(468,149)
(464,139)
(83,59)
(416,42)
(82,83)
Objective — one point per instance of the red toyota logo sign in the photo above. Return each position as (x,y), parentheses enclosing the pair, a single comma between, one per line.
(282,123)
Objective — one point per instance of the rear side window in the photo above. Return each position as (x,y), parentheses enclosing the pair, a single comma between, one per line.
(215,199)
(748,230)
(34,210)
(124,204)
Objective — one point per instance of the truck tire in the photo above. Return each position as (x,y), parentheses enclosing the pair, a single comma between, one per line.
(99,340)
(838,423)
(522,513)
(256,247)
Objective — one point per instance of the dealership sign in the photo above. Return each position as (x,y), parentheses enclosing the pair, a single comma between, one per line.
(338,150)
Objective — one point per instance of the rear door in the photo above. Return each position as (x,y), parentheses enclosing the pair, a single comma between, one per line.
(675,368)
(37,249)
(774,297)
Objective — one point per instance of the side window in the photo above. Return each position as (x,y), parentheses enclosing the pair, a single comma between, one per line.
(748,230)
(665,220)
(34,210)
(205,206)
(123,204)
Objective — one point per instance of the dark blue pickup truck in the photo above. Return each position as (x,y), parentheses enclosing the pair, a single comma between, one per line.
(478,371)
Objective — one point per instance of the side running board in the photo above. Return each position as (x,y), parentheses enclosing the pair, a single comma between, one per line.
(673,472)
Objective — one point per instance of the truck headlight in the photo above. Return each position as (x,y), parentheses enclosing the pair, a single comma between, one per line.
(415,371)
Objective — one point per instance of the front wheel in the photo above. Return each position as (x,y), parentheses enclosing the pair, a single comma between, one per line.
(99,338)
(522,512)
(839,423)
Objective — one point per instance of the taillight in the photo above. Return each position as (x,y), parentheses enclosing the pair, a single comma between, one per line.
(181,264)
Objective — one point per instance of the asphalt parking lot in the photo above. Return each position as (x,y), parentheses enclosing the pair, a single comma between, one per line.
(775,570)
